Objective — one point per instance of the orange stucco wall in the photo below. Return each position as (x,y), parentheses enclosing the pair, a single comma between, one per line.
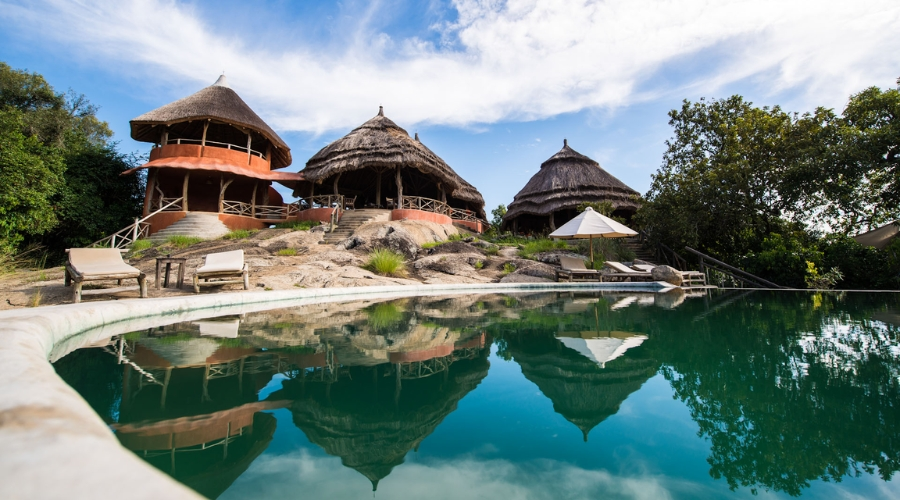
(163,220)
(478,227)
(243,222)
(319,214)
(232,156)
(401,214)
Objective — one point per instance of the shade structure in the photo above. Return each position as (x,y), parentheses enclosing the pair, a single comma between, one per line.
(605,347)
(881,237)
(589,225)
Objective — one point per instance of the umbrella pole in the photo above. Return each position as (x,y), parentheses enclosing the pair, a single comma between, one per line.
(591,243)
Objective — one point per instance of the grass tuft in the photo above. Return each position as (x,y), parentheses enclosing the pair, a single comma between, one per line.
(238,234)
(287,252)
(479,264)
(386,263)
(432,244)
(298,225)
(542,245)
(509,267)
(35,299)
(140,245)
(180,241)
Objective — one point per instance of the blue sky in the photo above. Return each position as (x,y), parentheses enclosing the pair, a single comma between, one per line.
(491,86)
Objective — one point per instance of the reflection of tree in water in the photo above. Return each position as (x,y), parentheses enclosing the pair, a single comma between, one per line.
(787,395)
(371,419)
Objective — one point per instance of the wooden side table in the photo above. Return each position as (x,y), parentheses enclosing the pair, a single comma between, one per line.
(168,261)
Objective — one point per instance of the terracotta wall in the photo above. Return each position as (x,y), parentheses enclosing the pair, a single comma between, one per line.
(401,214)
(319,214)
(478,227)
(232,156)
(243,222)
(163,220)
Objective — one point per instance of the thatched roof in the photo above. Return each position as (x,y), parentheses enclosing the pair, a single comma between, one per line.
(216,102)
(582,392)
(370,430)
(381,143)
(566,180)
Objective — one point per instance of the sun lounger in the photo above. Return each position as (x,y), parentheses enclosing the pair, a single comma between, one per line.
(221,266)
(573,269)
(95,264)
(623,272)
(689,277)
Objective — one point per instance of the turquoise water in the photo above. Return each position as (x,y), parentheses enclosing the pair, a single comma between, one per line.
(552,395)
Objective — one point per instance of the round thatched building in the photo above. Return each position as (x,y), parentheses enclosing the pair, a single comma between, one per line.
(379,165)
(566,180)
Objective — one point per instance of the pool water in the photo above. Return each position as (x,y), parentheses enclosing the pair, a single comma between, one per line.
(550,395)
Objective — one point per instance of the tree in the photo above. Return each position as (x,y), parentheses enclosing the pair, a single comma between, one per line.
(497,216)
(30,174)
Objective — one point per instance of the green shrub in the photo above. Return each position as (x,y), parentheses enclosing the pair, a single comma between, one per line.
(818,281)
(782,260)
(479,264)
(140,245)
(509,267)
(386,263)
(287,252)
(542,245)
(298,225)
(183,241)
(238,234)
(492,250)
(432,244)
(384,315)
(862,267)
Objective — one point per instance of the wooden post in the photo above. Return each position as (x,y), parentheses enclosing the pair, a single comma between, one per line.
(552,222)
(378,190)
(222,187)
(249,143)
(399,181)
(266,194)
(443,193)
(253,199)
(269,154)
(336,179)
(203,139)
(151,187)
(184,190)
(165,137)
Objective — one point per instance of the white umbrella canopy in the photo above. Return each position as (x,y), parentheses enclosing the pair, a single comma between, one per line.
(602,350)
(590,224)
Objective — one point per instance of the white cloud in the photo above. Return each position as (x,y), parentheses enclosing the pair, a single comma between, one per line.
(512,60)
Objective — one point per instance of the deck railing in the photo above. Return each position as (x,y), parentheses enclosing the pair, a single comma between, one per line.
(325,201)
(166,205)
(425,205)
(225,145)
(126,236)
(259,211)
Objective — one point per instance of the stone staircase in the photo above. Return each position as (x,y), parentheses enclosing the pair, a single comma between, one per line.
(640,251)
(351,220)
(200,224)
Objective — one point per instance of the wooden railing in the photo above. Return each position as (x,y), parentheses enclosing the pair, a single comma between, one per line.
(218,145)
(325,201)
(165,204)
(258,211)
(126,236)
(425,204)
(708,264)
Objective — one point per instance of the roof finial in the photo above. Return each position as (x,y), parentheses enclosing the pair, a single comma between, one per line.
(380,110)
(222,81)
(565,143)
(417,137)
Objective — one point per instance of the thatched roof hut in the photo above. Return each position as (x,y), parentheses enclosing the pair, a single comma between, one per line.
(567,179)
(581,391)
(230,119)
(354,165)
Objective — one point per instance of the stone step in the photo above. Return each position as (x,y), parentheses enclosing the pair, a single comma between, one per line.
(198,224)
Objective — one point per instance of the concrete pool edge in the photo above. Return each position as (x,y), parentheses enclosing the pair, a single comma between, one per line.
(55,444)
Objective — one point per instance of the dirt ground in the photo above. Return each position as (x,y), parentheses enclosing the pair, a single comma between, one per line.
(314,265)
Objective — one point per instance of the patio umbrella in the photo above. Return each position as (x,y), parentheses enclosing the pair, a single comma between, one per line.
(590,224)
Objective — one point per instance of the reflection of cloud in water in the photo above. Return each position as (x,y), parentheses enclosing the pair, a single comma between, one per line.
(284,476)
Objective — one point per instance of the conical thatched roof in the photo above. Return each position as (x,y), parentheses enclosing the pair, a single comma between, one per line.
(216,102)
(566,180)
(581,391)
(381,143)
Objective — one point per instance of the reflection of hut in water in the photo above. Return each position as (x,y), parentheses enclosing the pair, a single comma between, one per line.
(581,391)
(566,180)
(205,452)
(374,417)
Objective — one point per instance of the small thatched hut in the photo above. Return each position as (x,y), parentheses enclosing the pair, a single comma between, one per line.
(379,160)
(566,180)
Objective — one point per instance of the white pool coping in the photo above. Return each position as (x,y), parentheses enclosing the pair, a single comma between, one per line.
(53,444)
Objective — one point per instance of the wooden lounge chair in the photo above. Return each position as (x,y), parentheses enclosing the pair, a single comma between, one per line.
(350,203)
(95,264)
(219,267)
(689,278)
(573,269)
(623,272)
